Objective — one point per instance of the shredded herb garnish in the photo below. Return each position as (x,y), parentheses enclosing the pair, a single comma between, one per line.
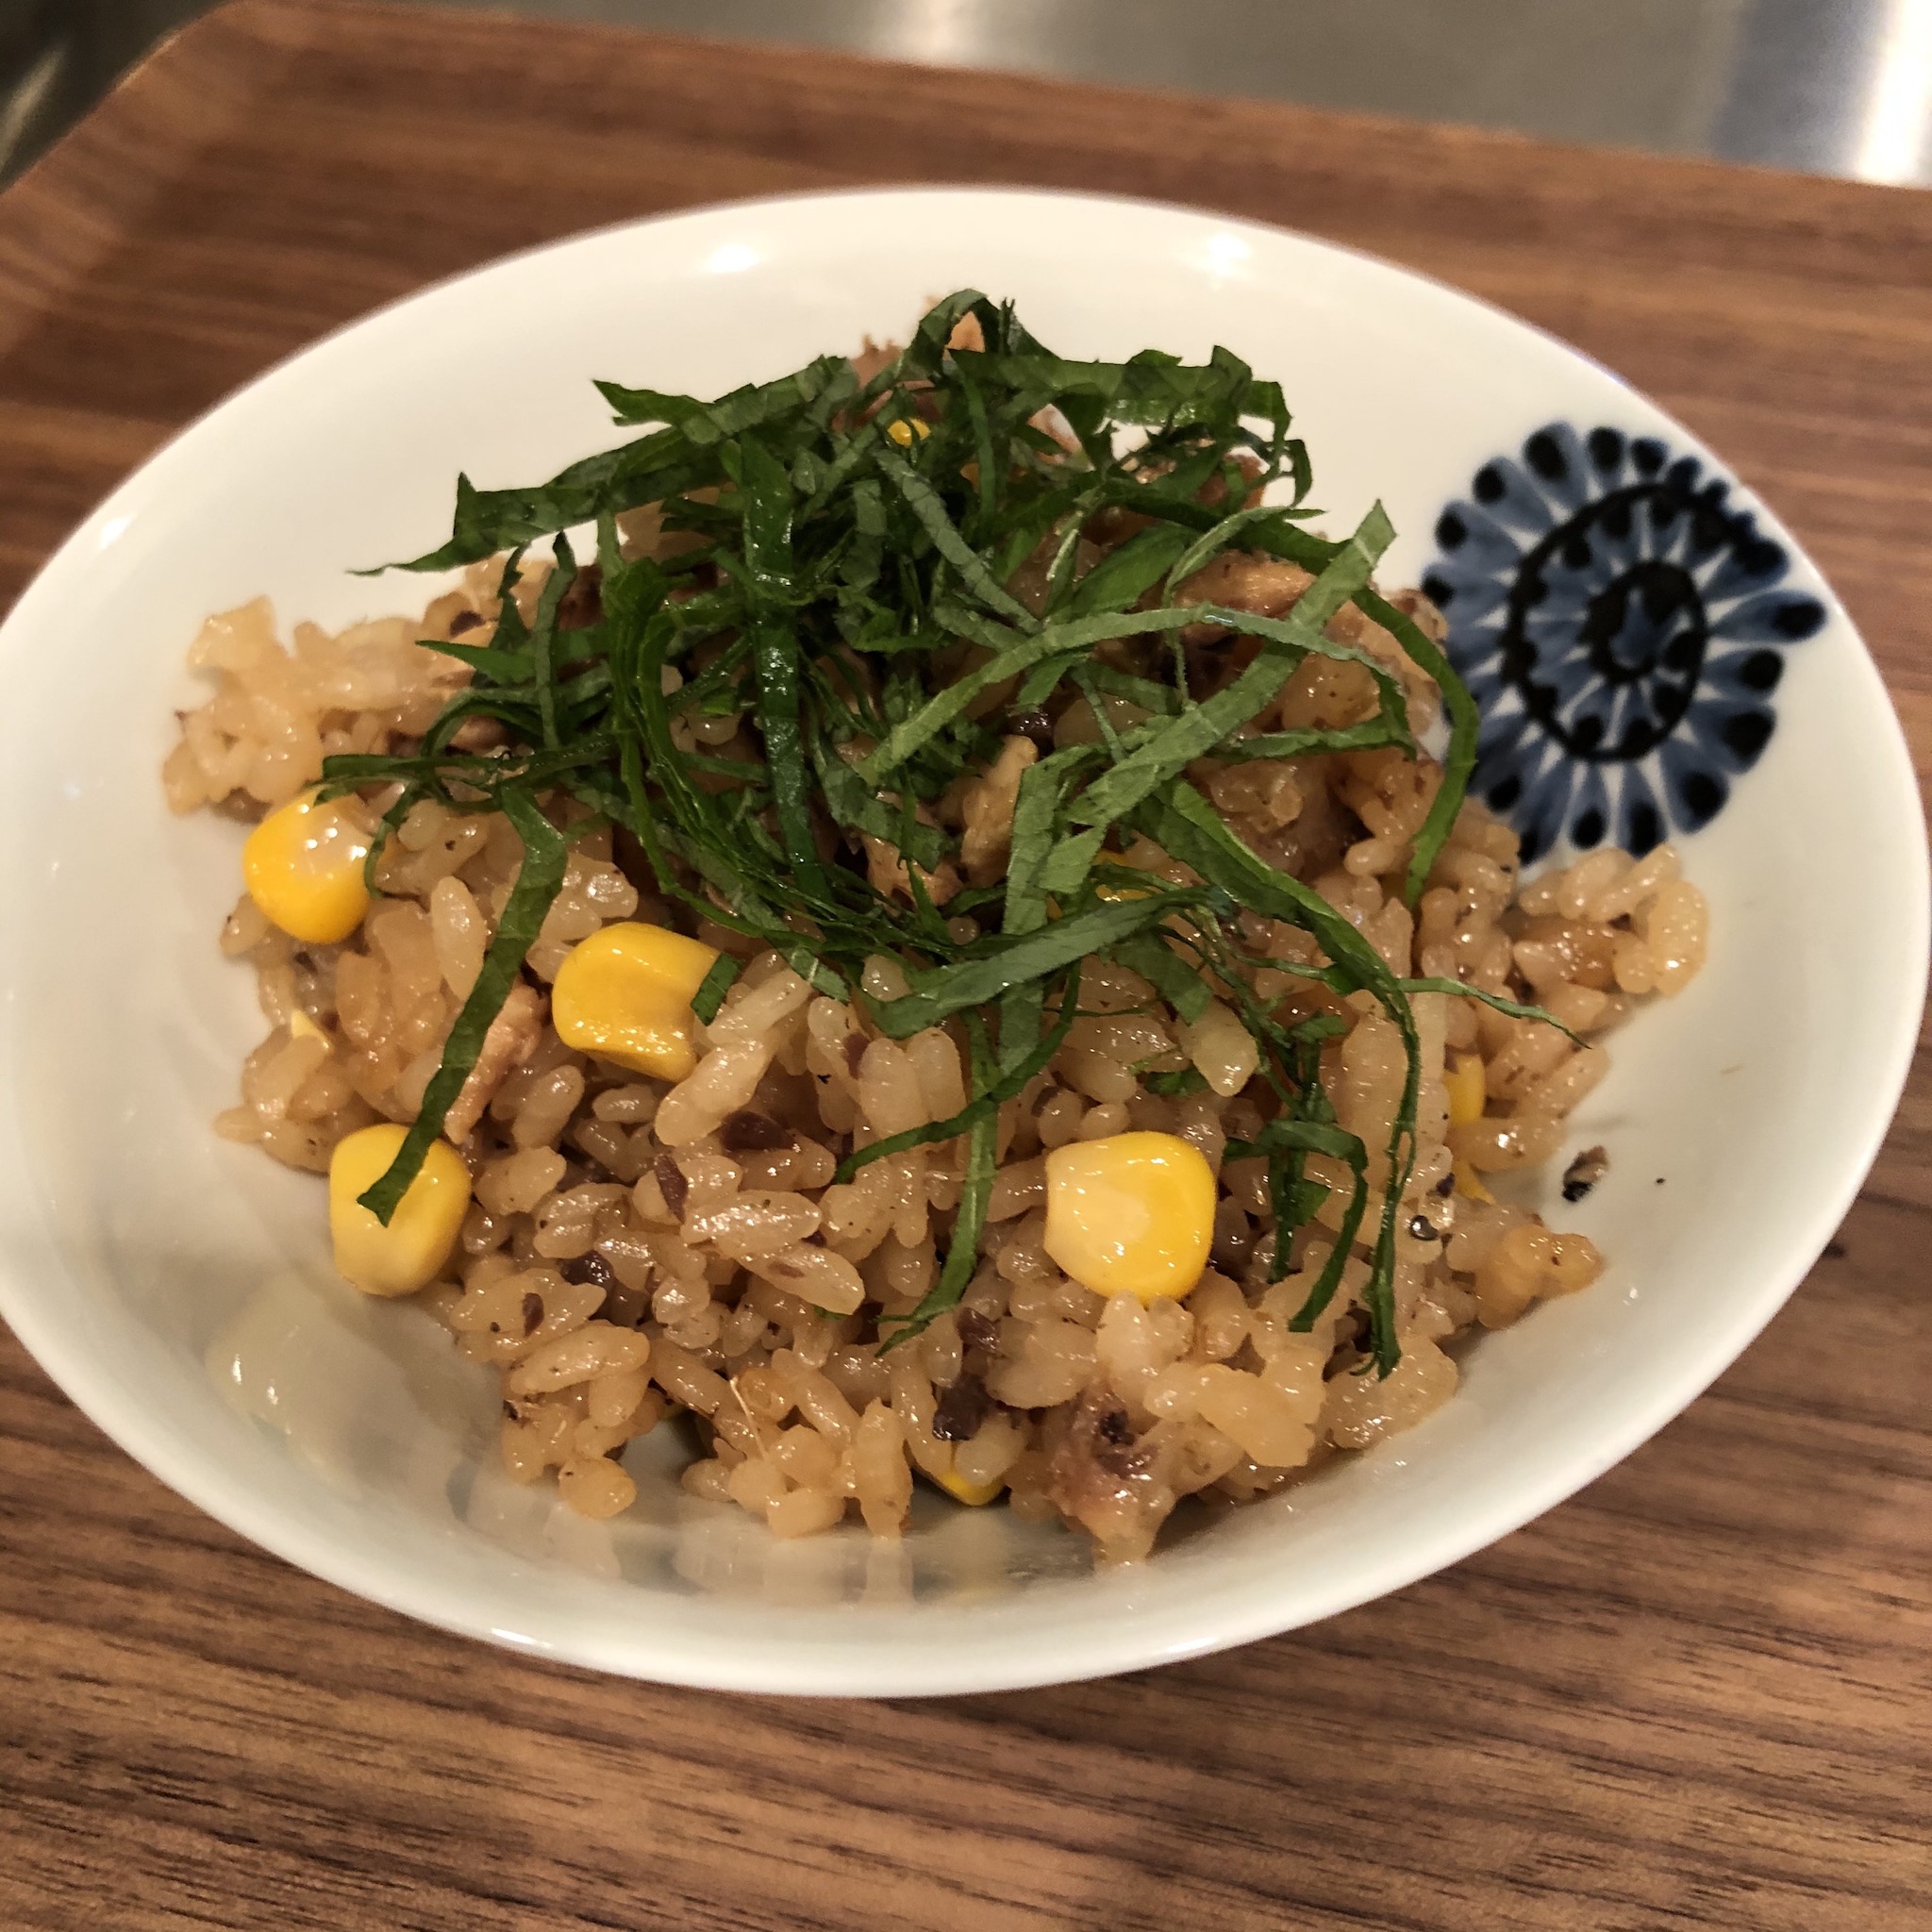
(545,855)
(846,583)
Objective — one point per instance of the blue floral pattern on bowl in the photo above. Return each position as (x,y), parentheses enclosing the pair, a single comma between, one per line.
(1622,629)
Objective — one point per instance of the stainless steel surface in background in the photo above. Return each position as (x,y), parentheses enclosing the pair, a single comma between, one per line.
(1839,86)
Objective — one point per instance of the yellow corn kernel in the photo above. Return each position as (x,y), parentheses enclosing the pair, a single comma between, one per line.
(410,1253)
(625,994)
(1470,1183)
(975,1493)
(303,865)
(1132,1214)
(903,429)
(1467,1092)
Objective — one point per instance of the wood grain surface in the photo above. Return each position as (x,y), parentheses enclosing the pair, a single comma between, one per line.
(1697,1695)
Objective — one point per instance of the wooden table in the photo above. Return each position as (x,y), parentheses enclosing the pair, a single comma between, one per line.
(1696,1695)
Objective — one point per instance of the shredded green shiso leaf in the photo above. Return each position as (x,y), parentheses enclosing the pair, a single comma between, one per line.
(850,581)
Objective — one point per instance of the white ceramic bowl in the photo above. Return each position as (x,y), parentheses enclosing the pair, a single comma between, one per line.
(179,1289)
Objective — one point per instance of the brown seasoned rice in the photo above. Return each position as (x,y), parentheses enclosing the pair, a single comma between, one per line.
(635,1250)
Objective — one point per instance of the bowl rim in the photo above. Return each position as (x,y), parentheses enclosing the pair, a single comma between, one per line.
(860,1667)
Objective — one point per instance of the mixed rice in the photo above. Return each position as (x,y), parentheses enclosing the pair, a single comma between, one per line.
(642,1253)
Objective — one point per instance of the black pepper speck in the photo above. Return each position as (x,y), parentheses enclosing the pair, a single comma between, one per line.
(590,1270)
(1032,724)
(672,1185)
(962,1409)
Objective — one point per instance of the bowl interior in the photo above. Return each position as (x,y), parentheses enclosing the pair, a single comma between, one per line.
(180,1289)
